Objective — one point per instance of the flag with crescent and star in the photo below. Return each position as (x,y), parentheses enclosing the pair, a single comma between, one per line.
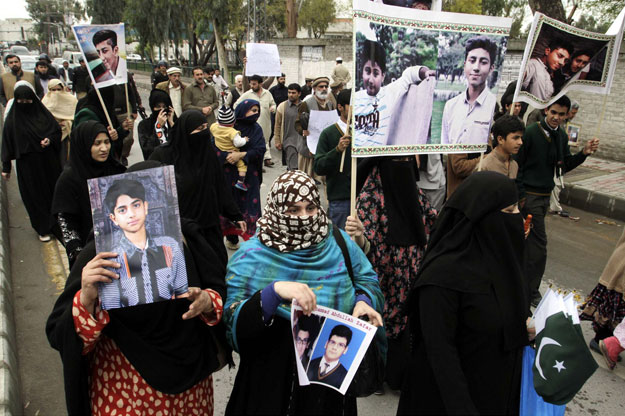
(563,362)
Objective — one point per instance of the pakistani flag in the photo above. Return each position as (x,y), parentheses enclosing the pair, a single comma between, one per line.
(563,362)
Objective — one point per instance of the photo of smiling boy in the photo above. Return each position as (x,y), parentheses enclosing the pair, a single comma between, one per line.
(105,42)
(467,117)
(328,369)
(539,73)
(152,267)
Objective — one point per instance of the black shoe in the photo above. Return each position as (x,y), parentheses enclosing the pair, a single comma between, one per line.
(565,214)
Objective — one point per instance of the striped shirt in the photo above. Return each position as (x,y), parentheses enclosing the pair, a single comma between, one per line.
(153,274)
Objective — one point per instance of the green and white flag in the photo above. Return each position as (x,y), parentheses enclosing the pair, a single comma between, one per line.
(563,362)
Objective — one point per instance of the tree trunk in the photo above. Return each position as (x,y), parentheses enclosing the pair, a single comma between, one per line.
(291,19)
(221,52)
(551,8)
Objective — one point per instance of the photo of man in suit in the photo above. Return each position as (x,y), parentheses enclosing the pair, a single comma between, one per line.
(328,369)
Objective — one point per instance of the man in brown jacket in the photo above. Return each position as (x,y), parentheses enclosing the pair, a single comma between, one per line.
(15,73)
(200,96)
(459,166)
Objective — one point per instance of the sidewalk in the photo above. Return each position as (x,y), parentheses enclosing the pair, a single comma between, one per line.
(597,186)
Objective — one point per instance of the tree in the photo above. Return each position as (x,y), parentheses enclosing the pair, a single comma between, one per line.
(551,8)
(106,12)
(54,17)
(463,6)
(316,16)
(291,18)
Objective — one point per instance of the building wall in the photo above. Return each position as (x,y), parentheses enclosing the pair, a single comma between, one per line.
(612,133)
(11,29)
(312,58)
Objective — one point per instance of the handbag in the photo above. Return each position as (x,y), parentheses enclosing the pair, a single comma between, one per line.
(370,374)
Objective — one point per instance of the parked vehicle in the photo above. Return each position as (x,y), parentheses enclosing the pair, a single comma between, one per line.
(134,57)
(72,57)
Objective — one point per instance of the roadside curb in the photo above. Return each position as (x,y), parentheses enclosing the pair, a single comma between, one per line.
(596,202)
(10,401)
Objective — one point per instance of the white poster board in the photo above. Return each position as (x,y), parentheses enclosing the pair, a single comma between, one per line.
(104,50)
(317,122)
(262,59)
(330,337)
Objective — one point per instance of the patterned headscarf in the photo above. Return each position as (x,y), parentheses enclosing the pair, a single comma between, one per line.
(283,232)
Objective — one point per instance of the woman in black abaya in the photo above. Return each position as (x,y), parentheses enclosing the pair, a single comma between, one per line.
(202,191)
(91,157)
(32,137)
(468,308)
(155,130)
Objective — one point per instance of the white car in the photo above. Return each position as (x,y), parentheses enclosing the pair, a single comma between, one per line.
(28,62)
(133,57)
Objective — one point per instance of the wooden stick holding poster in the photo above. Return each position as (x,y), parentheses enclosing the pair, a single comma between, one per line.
(127,101)
(348,133)
(106,113)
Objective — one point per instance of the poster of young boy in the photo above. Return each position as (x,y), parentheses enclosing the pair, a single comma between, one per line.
(559,58)
(329,346)
(104,50)
(136,215)
(425,81)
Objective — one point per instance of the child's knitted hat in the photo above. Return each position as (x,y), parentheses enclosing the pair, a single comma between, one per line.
(225,116)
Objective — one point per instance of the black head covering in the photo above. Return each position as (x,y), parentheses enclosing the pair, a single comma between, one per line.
(401,198)
(476,248)
(80,160)
(26,125)
(92,102)
(171,354)
(202,191)
(156,97)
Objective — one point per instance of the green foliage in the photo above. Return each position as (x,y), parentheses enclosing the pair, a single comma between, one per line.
(598,15)
(276,17)
(316,16)
(106,12)
(588,22)
(463,6)
(58,12)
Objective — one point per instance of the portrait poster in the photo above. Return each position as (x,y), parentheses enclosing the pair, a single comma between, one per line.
(262,59)
(104,49)
(425,81)
(317,122)
(559,58)
(329,346)
(572,130)
(136,215)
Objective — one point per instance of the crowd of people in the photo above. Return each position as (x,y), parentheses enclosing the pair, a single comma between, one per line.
(438,252)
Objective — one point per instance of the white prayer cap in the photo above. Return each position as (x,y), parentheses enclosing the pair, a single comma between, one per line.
(338,58)
(173,70)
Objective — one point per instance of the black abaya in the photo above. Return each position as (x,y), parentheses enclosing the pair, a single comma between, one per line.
(468,306)
(37,167)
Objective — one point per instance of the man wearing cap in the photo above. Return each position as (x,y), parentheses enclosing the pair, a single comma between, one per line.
(318,101)
(267,107)
(306,88)
(340,73)
(236,91)
(81,81)
(160,74)
(42,77)
(335,88)
(174,87)
(66,74)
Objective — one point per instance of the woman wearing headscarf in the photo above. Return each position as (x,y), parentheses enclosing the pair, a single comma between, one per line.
(32,137)
(62,105)
(397,219)
(246,114)
(90,158)
(605,306)
(202,192)
(469,306)
(90,108)
(293,250)
(155,358)
(155,130)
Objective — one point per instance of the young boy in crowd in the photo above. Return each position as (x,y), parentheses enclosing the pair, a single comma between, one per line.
(507,140)
(229,140)
(152,267)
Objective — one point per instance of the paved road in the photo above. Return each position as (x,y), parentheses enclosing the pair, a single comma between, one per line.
(577,253)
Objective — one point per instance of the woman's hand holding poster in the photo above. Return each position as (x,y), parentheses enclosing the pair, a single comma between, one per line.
(329,346)
(425,81)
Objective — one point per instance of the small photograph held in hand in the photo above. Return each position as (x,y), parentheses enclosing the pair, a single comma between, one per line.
(136,215)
